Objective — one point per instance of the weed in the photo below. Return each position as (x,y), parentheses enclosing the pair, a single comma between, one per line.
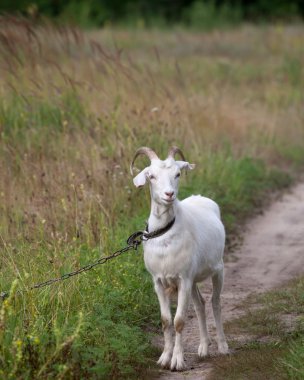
(293,359)
(207,15)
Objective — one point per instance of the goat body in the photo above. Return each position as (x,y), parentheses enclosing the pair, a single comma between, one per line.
(193,247)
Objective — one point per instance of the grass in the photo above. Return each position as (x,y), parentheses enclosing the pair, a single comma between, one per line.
(275,348)
(74,107)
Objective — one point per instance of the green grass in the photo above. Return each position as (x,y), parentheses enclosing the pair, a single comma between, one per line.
(85,326)
(293,359)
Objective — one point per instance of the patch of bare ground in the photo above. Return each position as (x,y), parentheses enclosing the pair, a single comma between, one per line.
(271,254)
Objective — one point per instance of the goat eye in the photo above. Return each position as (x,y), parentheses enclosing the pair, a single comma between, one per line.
(151,176)
(177,175)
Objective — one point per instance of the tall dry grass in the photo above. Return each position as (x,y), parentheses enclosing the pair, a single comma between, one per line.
(75,106)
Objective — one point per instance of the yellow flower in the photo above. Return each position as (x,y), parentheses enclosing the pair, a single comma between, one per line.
(36,340)
(18,343)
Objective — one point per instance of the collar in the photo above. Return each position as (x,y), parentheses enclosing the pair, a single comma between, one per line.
(161,231)
(137,237)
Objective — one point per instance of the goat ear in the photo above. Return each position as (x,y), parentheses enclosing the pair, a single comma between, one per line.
(185,165)
(140,179)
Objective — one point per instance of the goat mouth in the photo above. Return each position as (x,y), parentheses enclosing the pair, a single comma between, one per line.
(168,200)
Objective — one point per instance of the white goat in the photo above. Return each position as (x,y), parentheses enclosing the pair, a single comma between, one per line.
(182,254)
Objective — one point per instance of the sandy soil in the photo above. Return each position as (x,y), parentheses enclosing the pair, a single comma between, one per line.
(272,253)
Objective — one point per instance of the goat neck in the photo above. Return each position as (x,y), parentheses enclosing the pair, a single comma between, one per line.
(161,215)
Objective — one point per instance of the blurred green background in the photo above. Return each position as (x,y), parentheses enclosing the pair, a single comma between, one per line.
(196,13)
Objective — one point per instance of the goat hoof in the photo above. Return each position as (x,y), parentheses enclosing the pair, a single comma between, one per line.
(203,350)
(164,360)
(177,363)
(223,348)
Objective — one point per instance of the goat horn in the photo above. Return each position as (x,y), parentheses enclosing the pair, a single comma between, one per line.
(147,152)
(175,150)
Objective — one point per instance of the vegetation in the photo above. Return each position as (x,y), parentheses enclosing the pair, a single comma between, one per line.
(73,109)
(276,329)
(203,14)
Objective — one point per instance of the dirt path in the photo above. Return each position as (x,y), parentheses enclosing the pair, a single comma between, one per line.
(271,254)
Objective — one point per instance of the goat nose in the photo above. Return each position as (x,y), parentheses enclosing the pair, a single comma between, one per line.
(169,194)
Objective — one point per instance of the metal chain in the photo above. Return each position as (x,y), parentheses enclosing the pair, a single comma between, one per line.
(133,242)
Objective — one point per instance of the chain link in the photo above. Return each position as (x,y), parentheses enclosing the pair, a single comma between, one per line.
(133,242)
